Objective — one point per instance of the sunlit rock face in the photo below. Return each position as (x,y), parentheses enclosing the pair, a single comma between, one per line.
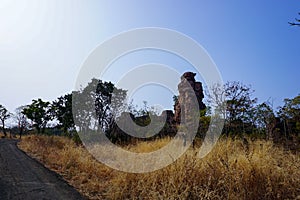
(187,86)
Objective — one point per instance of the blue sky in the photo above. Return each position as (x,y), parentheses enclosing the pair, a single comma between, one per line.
(44,43)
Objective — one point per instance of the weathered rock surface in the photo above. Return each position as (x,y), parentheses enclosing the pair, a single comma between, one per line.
(188,87)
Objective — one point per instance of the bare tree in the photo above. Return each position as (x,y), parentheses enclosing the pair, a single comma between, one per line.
(297,23)
(216,98)
(22,120)
(234,100)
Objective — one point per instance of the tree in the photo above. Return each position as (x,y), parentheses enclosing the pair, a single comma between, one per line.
(81,113)
(4,115)
(297,23)
(290,114)
(233,101)
(109,104)
(239,104)
(264,118)
(61,109)
(204,122)
(38,112)
(97,105)
(22,120)
(216,98)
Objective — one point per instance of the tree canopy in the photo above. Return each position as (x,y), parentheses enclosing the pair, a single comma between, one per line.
(61,109)
(38,112)
(4,115)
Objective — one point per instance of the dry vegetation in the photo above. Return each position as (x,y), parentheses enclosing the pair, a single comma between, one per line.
(231,171)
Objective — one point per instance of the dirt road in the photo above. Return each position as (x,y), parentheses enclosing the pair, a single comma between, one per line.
(21,177)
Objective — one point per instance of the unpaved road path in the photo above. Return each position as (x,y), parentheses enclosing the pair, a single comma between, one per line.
(21,177)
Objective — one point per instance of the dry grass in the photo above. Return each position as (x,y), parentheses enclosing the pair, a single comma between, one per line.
(230,171)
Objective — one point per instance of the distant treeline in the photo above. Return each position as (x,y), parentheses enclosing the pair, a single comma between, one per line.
(243,115)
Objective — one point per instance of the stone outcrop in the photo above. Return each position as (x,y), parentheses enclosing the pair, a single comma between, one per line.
(190,94)
(186,88)
(169,116)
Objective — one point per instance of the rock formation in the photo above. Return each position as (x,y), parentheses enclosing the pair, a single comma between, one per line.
(186,87)
(190,94)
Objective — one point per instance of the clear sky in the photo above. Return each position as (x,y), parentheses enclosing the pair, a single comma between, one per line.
(44,43)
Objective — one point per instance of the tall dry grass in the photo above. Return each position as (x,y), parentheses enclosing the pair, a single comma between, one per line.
(233,170)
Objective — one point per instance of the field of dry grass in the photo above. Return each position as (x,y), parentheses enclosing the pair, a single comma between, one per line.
(230,171)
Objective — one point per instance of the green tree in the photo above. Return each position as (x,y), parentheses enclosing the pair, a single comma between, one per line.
(109,104)
(99,103)
(264,118)
(4,115)
(290,114)
(204,122)
(38,112)
(61,109)
(81,114)
(239,103)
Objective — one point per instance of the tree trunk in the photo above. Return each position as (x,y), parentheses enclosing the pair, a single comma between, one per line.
(43,129)
(38,129)
(21,132)
(3,127)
